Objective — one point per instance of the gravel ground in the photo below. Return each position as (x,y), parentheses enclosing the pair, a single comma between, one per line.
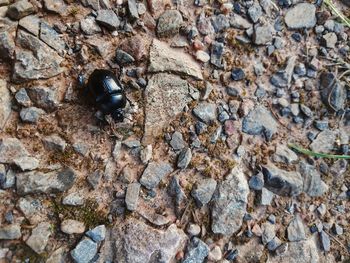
(201,169)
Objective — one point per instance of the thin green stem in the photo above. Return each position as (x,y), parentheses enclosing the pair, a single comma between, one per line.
(333,8)
(315,154)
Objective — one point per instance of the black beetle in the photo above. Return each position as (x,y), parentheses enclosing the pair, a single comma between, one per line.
(107,93)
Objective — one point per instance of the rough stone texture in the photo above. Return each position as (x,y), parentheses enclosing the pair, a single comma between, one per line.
(54,143)
(324,142)
(36,60)
(73,199)
(108,19)
(263,34)
(32,209)
(283,78)
(259,121)
(313,184)
(89,26)
(39,182)
(166,96)
(51,38)
(31,24)
(184,158)
(296,230)
(239,22)
(284,155)
(97,234)
(333,92)
(298,252)
(203,191)
(206,112)
(55,6)
(85,251)
(5,103)
(135,242)
(302,15)
(197,251)
(39,237)
(58,256)
(31,114)
(229,203)
(10,232)
(70,226)
(165,59)
(282,182)
(154,173)
(11,149)
(169,23)
(44,97)
(26,163)
(132,196)
(7,45)
(20,9)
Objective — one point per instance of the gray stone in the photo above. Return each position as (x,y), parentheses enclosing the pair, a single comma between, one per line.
(108,19)
(193,230)
(217,54)
(239,22)
(284,155)
(256,182)
(136,242)
(329,40)
(266,197)
(22,98)
(58,256)
(204,25)
(31,24)
(255,12)
(55,6)
(44,97)
(39,182)
(296,230)
(259,121)
(175,190)
(36,60)
(11,149)
(132,9)
(282,182)
(123,58)
(20,9)
(54,143)
(52,38)
(177,142)
(97,234)
(313,184)
(32,209)
(154,173)
(203,191)
(89,26)
(97,4)
(166,96)
(302,15)
(333,92)
(220,23)
(184,158)
(274,244)
(146,154)
(7,46)
(70,226)
(31,114)
(9,180)
(165,59)
(206,112)
(94,179)
(169,23)
(324,142)
(40,237)
(26,163)
(132,144)
(5,104)
(81,148)
(73,199)
(9,232)
(263,34)
(197,251)
(85,251)
(230,202)
(117,150)
(132,196)
(268,232)
(297,252)
(283,78)
(325,241)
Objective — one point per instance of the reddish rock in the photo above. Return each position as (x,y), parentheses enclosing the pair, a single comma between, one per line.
(229,127)
(135,46)
(157,7)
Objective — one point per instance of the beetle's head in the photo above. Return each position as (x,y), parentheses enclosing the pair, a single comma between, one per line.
(118,115)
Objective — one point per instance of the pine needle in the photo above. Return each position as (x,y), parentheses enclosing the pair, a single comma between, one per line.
(315,154)
(338,13)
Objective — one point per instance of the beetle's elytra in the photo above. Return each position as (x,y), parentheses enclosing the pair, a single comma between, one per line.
(108,93)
